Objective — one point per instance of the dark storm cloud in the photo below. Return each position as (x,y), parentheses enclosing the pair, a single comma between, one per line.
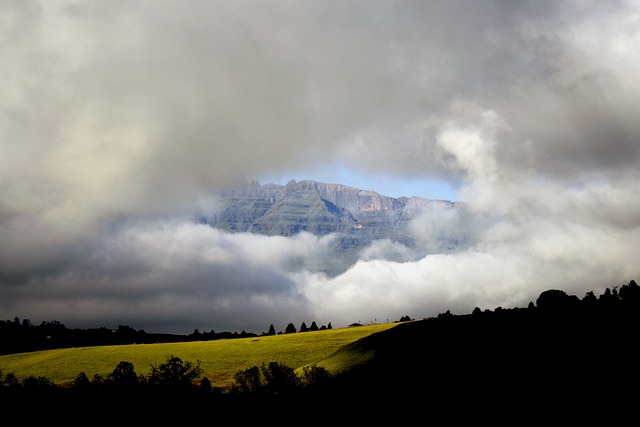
(120,120)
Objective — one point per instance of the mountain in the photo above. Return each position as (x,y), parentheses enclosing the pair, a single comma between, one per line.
(356,217)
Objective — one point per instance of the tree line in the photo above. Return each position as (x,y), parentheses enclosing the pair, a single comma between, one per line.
(19,336)
(173,382)
(559,302)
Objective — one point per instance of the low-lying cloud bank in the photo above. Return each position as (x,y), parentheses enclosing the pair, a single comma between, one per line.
(178,275)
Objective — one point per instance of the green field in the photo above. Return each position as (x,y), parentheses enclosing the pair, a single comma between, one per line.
(219,359)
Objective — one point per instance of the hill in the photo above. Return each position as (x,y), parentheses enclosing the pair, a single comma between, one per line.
(220,358)
(561,359)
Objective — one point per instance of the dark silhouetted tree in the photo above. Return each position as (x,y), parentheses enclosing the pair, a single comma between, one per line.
(97,381)
(590,300)
(123,375)
(553,300)
(313,326)
(248,380)
(303,327)
(272,330)
(290,329)
(630,293)
(280,378)
(608,298)
(9,381)
(81,382)
(37,384)
(205,385)
(175,372)
(315,377)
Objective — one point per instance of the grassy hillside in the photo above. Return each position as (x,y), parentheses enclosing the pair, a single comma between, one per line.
(220,359)
(550,362)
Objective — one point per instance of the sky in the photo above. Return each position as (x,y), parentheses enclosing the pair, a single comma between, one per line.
(386,184)
(121,120)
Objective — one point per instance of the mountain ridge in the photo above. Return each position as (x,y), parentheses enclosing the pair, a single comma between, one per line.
(352,207)
(356,217)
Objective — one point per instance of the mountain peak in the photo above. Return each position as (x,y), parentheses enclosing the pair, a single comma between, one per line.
(356,216)
(306,205)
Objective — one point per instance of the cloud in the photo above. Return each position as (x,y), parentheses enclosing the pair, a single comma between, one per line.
(172,275)
(120,121)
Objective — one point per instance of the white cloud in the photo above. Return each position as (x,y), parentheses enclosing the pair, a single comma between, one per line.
(120,120)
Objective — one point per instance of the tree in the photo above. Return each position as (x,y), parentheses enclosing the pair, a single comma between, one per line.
(589,300)
(290,329)
(37,383)
(280,378)
(313,326)
(552,300)
(97,381)
(630,293)
(248,381)
(272,330)
(205,385)
(124,375)
(82,381)
(329,326)
(315,377)
(608,298)
(175,372)
(9,381)
(303,327)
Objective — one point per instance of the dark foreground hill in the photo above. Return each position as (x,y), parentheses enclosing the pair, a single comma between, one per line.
(527,361)
(562,360)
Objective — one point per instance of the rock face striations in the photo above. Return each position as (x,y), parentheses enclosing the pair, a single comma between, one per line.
(358,217)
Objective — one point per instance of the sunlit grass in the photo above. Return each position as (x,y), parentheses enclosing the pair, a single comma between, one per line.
(219,359)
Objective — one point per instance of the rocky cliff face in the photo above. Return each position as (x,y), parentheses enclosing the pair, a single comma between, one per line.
(357,216)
